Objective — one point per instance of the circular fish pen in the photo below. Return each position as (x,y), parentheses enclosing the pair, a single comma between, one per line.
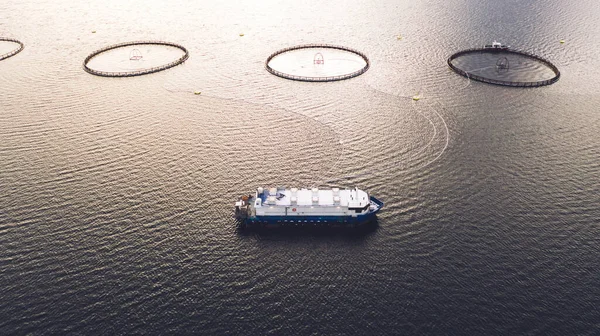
(135,56)
(317,63)
(12,52)
(501,65)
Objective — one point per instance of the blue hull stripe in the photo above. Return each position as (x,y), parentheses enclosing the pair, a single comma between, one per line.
(312,219)
(315,220)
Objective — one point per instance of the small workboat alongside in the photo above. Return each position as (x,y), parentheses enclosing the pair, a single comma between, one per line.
(496,45)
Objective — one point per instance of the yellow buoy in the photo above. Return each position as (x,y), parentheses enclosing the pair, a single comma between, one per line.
(562,41)
(241,34)
(416,98)
(399,37)
(93,32)
(197,92)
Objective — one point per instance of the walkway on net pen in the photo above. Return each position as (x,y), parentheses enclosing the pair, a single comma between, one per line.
(317,79)
(502,82)
(13,52)
(137,72)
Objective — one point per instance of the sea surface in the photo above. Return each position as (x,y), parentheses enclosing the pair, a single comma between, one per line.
(116,194)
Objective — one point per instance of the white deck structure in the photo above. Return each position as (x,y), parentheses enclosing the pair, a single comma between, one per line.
(310,202)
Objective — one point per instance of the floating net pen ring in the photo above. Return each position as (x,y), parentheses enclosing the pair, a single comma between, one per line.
(502,66)
(12,52)
(136,56)
(319,60)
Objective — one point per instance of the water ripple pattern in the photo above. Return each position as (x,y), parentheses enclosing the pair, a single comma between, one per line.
(116,194)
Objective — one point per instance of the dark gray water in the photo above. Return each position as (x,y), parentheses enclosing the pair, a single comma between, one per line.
(116,194)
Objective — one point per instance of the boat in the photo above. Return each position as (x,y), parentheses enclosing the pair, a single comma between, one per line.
(279,207)
(496,45)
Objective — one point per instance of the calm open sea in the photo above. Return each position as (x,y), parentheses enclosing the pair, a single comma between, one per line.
(116,195)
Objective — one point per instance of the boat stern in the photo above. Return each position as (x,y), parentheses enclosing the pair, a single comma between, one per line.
(243,207)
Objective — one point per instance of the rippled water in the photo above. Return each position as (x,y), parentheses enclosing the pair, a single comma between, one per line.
(116,193)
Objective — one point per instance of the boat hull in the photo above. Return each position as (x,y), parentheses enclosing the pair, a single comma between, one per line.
(314,221)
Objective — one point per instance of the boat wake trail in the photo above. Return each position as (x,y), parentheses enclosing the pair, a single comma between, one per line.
(417,109)
(285,121)
(420,158)
(433,117)
(447,136)
(440,134)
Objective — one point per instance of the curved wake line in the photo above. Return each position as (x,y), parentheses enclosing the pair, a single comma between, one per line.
(430,121)
(321,178)
(447,141)
(432,124)
(318,180)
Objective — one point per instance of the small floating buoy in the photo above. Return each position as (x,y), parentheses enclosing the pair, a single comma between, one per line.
(416,98)
(93,32)
(241,34)
(197,92)
(399,37)
(562,41)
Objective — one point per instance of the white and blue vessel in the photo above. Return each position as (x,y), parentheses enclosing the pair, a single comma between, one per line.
(496,45)
(311,207)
